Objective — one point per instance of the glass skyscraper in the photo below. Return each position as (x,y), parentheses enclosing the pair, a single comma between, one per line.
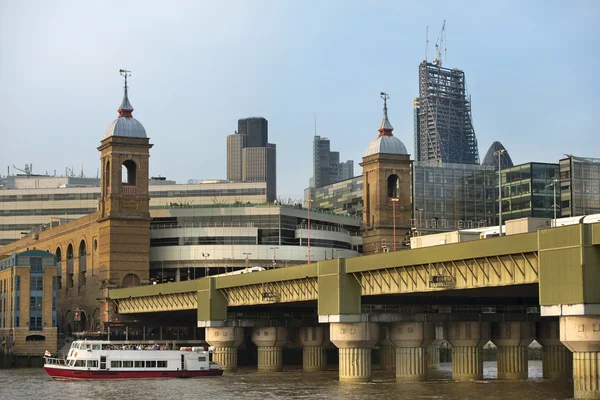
(579,186)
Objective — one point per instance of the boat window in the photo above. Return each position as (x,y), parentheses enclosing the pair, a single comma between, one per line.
(150,364)
(202,358)
(80,363)
(92,363)
(161,364)
(95,347)
(127,364)
(115,364)
(139,364)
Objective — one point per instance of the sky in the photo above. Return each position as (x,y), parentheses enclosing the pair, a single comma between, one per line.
(198,66)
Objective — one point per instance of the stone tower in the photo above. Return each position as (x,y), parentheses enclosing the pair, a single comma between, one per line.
(386,185)
(124,217)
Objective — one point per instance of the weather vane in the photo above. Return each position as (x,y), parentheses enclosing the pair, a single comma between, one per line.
(125,73)
(384,96)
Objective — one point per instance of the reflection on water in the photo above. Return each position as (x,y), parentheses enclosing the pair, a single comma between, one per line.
(292,383)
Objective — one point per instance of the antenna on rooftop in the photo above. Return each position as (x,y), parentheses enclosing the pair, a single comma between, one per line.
(315,124)
(426,41)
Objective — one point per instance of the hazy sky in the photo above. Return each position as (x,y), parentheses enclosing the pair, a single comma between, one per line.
(531,69)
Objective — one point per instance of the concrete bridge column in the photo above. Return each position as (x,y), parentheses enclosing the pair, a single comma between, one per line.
(581,335)
(387,350)
(557,360)
(433,356)
(314,356)
(512,339)
(270,342)
(226,341)
(355,340)
(467,340)
(411,340)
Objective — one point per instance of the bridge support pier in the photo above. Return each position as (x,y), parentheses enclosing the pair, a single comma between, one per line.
(355,340)
(270,342)
(467,339)
(411,340)
(314,357)
(512,339)
(226,341)
(433,356)
(581,335)
(557,360)
(387,350)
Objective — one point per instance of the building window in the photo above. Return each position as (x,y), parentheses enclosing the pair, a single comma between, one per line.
(36,264)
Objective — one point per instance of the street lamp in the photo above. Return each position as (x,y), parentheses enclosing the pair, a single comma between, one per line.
(274,262)
(308,248)
(225,259)
(247,254)
(205,255)
(394,200)
(420,210)
(499,153)
(553,184)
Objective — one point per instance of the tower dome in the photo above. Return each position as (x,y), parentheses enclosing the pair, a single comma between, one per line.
(125,125)
(492,160)
(386,143)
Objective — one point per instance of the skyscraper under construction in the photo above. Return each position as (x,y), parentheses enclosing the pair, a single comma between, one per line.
(445,131)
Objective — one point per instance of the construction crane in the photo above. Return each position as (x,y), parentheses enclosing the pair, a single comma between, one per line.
(439,44)
(27,171)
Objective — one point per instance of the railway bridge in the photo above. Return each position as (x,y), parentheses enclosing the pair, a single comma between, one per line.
(542,285)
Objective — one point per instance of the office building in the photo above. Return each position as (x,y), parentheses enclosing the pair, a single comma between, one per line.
(28,303)
(250,158)
(492,155)
(343,197)
(525,191)
(445,131)
(579,189)
(346,170)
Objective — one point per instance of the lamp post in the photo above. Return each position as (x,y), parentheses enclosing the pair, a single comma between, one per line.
(499,153)
(420,210)
(225,259)
(394,200)
(247,254)
(553,184)
(274,260)
(308,248)
(205,255)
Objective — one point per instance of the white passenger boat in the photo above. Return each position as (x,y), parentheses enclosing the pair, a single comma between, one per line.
(96,359)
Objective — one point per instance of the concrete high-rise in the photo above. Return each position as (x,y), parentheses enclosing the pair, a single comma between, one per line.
(445,131)
(327,167)
(250,158)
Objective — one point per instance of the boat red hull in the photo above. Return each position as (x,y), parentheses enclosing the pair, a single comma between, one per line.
(60,373)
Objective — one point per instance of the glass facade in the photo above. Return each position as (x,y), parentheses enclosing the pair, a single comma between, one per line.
(526,191)
(452,196)
(579,186)
(345,197)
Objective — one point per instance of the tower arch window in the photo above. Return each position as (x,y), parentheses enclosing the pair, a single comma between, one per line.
(129,174)
(393,186)
(107,174)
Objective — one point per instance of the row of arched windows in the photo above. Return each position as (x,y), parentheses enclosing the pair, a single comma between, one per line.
(69,279)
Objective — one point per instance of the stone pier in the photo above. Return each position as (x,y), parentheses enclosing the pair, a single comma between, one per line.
(270,342)
(512,340)
(355,340)
(467,339)
(313,339)
(387,351)
(557,360)
(226,341)
(411,340)
(581,335)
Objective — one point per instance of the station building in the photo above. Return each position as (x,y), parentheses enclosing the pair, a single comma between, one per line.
(28,303)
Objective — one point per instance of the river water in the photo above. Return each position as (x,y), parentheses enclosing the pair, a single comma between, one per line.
(291,384)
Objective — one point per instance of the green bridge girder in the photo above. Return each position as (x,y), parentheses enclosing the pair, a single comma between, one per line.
(565,261)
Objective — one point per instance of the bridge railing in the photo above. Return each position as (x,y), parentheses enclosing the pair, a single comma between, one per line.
(449,309)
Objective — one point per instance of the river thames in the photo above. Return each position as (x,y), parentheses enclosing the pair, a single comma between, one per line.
(291,384)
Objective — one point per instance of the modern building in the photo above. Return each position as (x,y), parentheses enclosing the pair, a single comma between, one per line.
(526,191)
(445,132)
(39,202)
(327,167)
(346,170)
(190,242)
(344,197)
(452,196)
(250,158)
(28,302)
(497,154)
(579,187)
